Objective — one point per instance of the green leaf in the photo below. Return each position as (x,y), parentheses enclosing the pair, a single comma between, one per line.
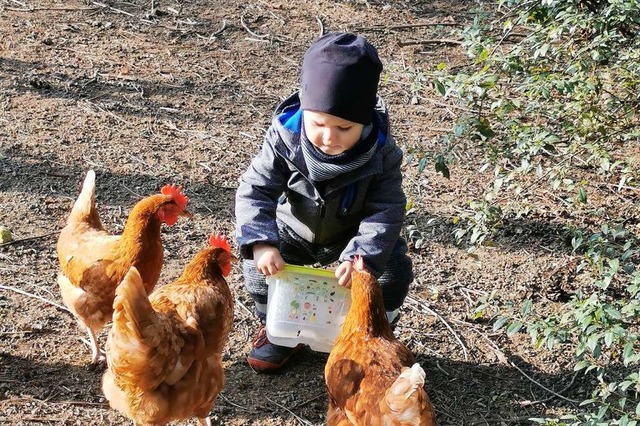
(582,195)
(497,325)
(441,166)
(627,353)
(592,341)
(608,338)
(484,128)
(513,328)
(422,164)
(440,87)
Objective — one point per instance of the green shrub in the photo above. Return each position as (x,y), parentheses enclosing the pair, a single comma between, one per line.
(554,95)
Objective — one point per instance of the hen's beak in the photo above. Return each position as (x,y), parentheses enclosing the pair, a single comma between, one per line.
(186,213)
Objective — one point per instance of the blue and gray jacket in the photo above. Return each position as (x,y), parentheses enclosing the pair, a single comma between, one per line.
(364,207)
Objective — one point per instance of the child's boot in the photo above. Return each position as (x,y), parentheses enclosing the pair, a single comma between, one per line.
(266,356)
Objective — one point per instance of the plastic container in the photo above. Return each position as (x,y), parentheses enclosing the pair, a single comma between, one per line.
(306,305)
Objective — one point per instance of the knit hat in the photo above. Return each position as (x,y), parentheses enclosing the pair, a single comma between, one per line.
(340,73)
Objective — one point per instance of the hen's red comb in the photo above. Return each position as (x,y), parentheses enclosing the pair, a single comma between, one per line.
(358,263)
(176,193)
(217,240)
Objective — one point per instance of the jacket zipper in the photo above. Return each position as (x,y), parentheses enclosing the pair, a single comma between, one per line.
(319,219)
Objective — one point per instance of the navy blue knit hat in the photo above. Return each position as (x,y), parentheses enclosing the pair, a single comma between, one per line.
(340,73)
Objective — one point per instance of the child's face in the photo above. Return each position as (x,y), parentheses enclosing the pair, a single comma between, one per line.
(330,134)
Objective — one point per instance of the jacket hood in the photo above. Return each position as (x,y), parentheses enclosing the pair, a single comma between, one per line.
(287,121)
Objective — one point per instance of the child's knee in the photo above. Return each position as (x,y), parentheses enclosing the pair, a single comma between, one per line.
(254,282)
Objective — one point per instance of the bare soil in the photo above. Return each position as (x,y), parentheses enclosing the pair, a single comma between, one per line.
(183,94)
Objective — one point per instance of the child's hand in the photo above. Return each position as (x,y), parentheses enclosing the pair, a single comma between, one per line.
(343,274)
(267,259)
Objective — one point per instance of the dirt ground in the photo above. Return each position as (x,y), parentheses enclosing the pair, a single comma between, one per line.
(184,94)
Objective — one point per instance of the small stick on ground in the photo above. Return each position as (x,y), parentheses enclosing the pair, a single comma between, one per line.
(35,296)
(8,243)
(234,404)
(260,36)
(503,360)
(300,419)
(321,25)
(106,6)
(303,403)
(431,41)
(54,9)
(406,26)
(266,38)
(543,386)
(224,27)
(242,305)
(446,324)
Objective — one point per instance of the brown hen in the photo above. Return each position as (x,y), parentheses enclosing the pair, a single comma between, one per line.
(372,378)
(164,352)
(93,262)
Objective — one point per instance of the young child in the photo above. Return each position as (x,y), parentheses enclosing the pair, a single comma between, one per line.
(326,186)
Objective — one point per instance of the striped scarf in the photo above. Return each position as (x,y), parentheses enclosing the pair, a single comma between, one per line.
(324,167)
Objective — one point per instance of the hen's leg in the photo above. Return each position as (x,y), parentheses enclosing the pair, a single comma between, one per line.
(96,356)
(205,422)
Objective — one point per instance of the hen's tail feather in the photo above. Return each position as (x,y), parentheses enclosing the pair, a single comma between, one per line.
(404,397)
(137,330)
(131,305)
(84,209)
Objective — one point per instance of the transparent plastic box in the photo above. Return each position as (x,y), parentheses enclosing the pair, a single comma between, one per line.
(306,305)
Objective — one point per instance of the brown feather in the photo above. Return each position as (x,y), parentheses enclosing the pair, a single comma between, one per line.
(165,357)
(93,262)
(365,361)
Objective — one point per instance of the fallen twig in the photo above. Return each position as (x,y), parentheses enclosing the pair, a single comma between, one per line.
(543,386)
(540,401)
(500,420)
(267,38)
(47,401)
(442,104)
(8,243)
(405,26)
(53,9)
(503,360)
(112,114)
(242,305)
(430,41)
(303,403)
(224,27)
(35,296)
(321,25)
(106,6)
(446,324)
(298,418)
(235,405)
(260,36)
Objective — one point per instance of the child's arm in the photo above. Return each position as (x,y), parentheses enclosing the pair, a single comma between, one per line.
(385,208)
(257,199)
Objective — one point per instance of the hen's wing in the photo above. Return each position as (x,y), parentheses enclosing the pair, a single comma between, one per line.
(84,256)
(143,348)
(357,380)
